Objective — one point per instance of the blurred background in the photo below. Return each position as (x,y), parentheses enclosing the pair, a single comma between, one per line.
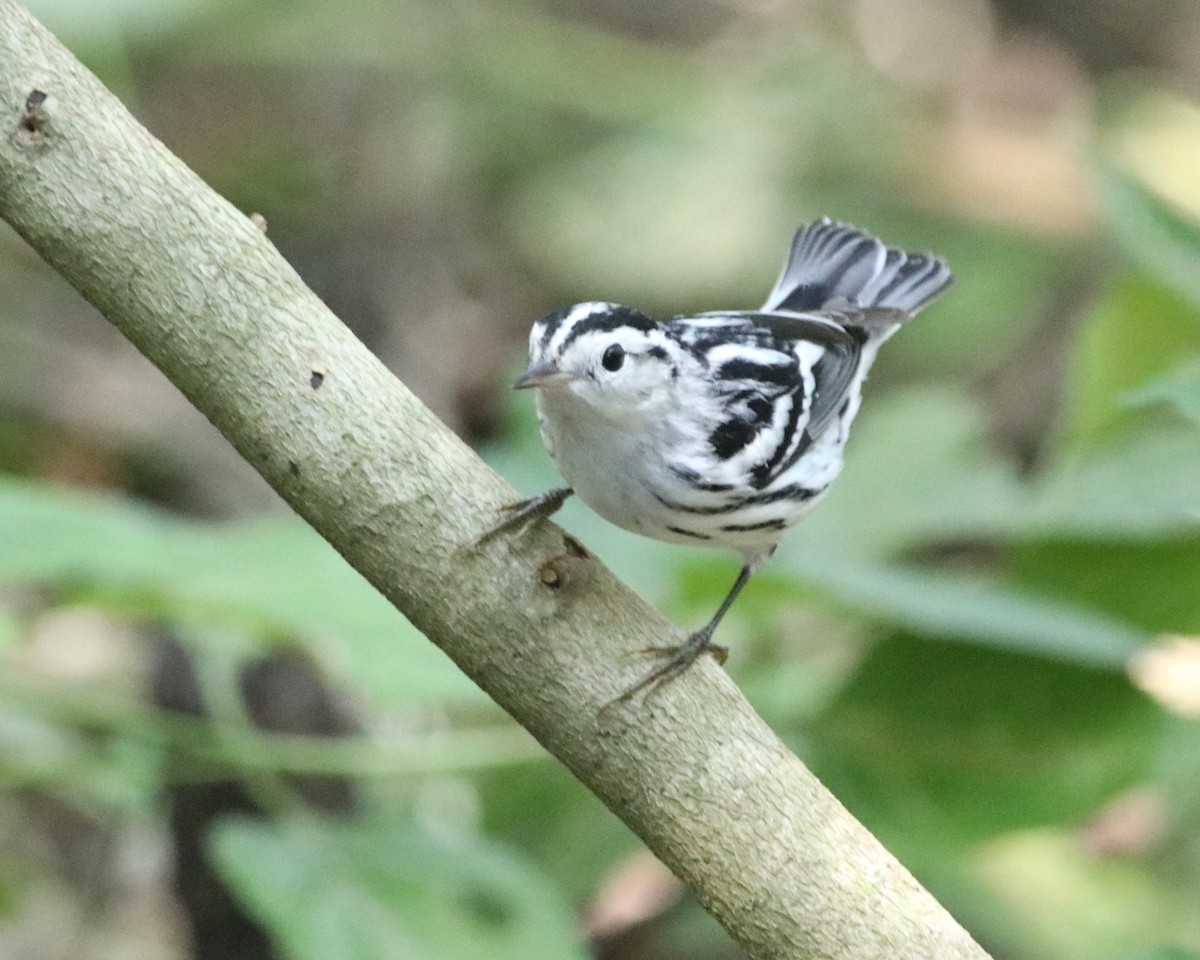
(217,742)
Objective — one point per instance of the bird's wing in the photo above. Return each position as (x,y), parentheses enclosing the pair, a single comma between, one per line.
(802,364)
(832,363)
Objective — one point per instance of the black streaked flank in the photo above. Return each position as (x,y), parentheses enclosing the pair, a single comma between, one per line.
(776,524)
(793,491)
(731,506)
(688,508)
(689,533)
(692,478)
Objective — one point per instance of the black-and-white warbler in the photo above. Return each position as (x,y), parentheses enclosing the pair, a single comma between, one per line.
(725,428)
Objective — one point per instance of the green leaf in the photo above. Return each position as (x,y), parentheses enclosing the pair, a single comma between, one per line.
(919,472)
(1140,329)
(918,468)
(1152,585)
(1165,953)
(939,746)
(11,629)
(1147,486)
(375,891)
(1004,281)
(270,578)
(79,25)
(549,813)
(1180,389)
(959,606)
(90,771)
(1072,905)
(1165,243)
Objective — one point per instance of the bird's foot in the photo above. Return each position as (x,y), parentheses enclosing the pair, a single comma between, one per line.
(677,660)
(525,512)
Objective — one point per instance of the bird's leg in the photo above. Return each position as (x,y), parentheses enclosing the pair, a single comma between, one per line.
(679,658)
(524,512)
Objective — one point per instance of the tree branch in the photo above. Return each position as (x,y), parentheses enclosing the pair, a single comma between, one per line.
(544,629)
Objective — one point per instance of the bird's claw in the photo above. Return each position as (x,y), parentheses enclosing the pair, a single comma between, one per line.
(678,659)
(525,512)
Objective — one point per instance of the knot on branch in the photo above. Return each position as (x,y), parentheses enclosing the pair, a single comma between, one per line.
(565,567)
(34,126)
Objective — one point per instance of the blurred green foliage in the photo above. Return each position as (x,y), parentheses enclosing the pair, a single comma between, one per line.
(950,641)
(376,889)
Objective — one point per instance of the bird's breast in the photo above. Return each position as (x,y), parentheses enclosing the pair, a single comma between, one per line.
(608,463)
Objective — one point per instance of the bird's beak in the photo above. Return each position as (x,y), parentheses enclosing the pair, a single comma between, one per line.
(540,375)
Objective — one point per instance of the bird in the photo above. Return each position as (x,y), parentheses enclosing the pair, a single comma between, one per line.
(720,429)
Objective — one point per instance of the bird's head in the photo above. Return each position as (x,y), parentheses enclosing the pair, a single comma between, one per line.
(609,356)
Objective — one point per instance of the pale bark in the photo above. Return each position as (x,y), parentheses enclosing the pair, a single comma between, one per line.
(201,291)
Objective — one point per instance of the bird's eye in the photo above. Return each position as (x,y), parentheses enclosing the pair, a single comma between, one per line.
(613,358)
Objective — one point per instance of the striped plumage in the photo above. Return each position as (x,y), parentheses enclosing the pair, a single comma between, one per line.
(723,429)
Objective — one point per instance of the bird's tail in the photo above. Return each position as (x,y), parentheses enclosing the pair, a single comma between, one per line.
(839,268)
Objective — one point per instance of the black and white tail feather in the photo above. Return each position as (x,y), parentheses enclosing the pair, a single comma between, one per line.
(839,268)
(725,428)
